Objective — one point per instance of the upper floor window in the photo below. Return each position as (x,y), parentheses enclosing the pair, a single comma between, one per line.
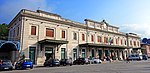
(33,30)
(74,35)
(92,38)
(105,40)
(125,42)
(130,42)
(49,32)
(63,34)
(83,37)
(116,41)
(134,43)
(17,30)
(14,33)
(99,39)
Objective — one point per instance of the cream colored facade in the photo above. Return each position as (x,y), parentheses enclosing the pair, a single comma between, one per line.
(20,30)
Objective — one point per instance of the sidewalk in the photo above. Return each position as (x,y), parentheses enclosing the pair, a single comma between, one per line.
(115,61)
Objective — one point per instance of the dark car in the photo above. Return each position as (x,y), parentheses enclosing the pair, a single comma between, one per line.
(134,57)
(5,65)
(79,61)
(65,62)
(23,64)
(52,62)
(144,57)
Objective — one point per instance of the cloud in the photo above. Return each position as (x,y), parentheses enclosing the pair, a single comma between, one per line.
(11,7)
(141,29)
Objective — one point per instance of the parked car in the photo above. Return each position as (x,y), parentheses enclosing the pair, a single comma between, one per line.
(91,59)
(134,57)
(65,62)
(97,61)
(144,57)
(87,61)
(79,61)
(23,64)
(6,65)
(52,62)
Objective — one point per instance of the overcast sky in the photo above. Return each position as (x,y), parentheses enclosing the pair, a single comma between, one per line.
(129,15)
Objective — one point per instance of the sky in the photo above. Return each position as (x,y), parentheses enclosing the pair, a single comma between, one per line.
(129,15)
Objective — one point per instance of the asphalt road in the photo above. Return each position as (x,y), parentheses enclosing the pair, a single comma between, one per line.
(115,67)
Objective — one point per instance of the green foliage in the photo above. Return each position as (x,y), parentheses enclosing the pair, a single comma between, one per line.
(3,31)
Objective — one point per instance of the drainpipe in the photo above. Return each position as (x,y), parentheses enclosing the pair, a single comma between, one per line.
(22,30)
(78,43)
(128,49)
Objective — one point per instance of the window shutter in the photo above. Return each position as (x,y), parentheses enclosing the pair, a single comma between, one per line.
(33,30)
(49,32)
(63,34)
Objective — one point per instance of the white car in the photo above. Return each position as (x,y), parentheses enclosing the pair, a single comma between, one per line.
(97,61)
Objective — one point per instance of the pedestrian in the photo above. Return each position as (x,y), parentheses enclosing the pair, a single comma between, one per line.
(109,58)
(127,60)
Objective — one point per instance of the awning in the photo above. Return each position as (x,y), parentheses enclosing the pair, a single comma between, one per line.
(136,48)
(52,41)
(102,45)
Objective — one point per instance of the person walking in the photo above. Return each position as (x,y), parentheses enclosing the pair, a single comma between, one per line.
(127,60)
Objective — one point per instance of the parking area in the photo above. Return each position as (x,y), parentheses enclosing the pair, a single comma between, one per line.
(105,67)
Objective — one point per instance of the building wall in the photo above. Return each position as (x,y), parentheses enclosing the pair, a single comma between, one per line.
(90,27)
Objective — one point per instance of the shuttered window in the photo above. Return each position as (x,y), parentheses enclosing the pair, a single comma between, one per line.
(134,43)
(131,43)
(83,37)
(92,38)
(63,34)
(125,42)
(49,32)
(98,39)
(33,30)
(116,41)
(74,35)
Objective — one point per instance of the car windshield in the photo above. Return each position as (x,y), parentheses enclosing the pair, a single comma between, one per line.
(56,60)
(27,60)
(133,55)
(137,55)
(6,62)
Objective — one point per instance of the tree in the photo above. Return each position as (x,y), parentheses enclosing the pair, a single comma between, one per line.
(3,31)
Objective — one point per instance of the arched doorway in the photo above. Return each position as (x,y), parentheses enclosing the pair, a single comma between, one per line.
(8,50)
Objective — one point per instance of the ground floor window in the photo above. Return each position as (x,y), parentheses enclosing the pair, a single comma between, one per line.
(106,53)
(62,53)
(74,54)
(100,54)
(92,52)
(32,54)
(83,53)
(49,53)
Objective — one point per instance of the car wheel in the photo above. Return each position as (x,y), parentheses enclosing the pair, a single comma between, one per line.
(82,63)
(23,68)
(70,64)
(31,68)
(11,69)
(64,64)
(51,65)
(16,68)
